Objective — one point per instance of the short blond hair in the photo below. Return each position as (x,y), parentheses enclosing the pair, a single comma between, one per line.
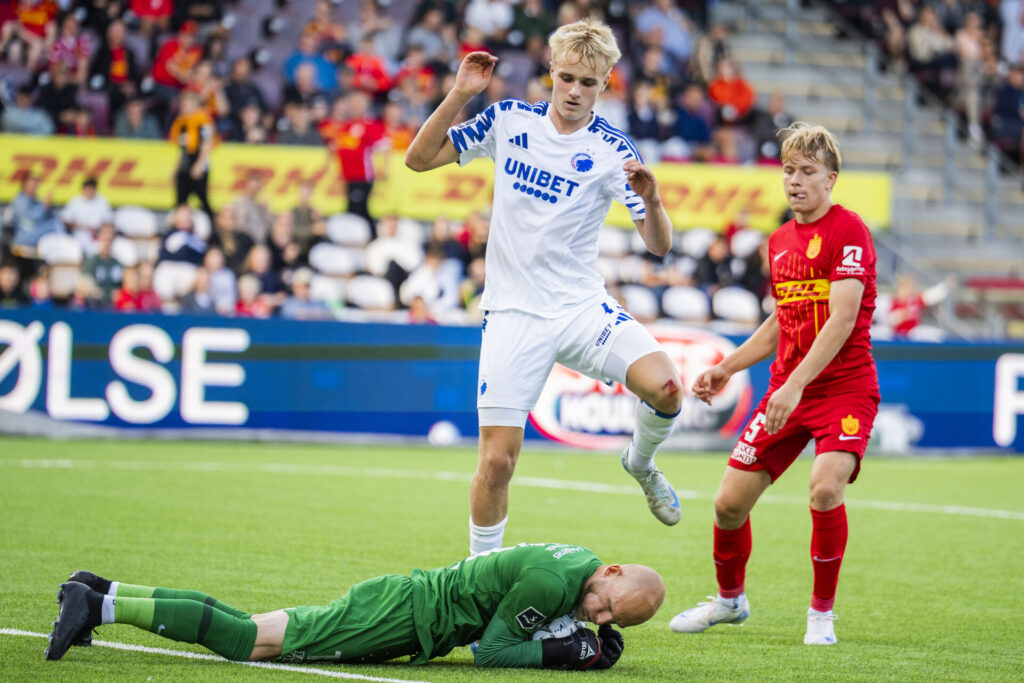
(589,41)
(811,141)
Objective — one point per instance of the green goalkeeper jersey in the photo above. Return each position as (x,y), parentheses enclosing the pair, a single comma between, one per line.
(523,587)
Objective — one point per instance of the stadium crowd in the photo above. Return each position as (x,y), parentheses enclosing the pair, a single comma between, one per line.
(359,78)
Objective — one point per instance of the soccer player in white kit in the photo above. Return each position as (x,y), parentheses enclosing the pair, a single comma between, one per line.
(557,168)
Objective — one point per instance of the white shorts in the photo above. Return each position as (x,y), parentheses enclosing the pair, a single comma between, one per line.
(597,338)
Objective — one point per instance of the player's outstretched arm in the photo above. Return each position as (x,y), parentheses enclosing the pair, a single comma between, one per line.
(656,227)
(500,647)
(431,147)
(843,308)
(760,345)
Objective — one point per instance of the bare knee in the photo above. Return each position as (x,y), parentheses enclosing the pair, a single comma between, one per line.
(496,467)
(826,495)
(730,513)
(668,398)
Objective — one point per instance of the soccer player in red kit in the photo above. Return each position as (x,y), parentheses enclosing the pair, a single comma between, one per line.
(823,383)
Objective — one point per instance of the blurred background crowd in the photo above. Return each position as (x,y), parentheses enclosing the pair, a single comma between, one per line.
(357,79)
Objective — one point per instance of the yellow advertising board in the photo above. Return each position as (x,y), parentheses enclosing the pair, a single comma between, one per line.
(142,173)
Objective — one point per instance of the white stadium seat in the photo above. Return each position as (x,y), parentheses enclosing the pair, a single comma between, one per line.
(612,241)
(173,279)
(335,260)
(140,226)
(687,304)
(201,226)
(736,304)
(125,251)
(745,242)
(695,241)
(326,288)
(371,293)
(409,230)
(640,302)
(63,256)
(348,230)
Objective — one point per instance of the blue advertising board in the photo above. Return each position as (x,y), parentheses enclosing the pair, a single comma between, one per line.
(182,373)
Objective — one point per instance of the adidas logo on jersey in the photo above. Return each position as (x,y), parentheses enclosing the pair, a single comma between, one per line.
(519,141)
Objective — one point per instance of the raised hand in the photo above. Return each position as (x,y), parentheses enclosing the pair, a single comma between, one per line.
(710,382)
(475,73)
(641,179)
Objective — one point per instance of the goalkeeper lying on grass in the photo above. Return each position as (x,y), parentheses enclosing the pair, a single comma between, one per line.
(499,598)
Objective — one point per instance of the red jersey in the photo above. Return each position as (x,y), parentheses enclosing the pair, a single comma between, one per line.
(153,8)
(172,52)
(353,142)
(35,17)
(806,258)
(906,311)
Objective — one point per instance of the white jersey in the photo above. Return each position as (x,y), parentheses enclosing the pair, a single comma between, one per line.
(552,193)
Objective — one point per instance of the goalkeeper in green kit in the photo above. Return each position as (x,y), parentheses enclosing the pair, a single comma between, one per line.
(499,598)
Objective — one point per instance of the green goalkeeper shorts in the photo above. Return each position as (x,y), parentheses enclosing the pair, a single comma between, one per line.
(373,622)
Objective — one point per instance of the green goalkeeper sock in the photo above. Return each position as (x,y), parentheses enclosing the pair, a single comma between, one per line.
(189,621)
(129,590)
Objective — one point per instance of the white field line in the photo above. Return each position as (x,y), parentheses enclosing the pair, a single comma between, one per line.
(199,655)
(427,475)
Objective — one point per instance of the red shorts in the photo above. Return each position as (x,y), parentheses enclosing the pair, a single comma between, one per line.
(839,422)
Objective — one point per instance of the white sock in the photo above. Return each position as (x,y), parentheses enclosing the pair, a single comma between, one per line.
(113,587)
(483,538)
(652,428)
(733,603)
(811,612)
(107,613)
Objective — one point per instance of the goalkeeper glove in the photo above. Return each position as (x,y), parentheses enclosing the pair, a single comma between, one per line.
(579,651)
(612,644)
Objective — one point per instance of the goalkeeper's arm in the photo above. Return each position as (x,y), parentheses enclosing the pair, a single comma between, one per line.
(582,650)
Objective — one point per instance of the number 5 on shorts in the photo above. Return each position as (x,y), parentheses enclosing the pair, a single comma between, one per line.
(755,427)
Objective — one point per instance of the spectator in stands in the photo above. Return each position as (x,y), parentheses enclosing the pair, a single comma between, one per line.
(36,29)
(658,69)
(299,306)
(714,269)
(241,92)
(154,15)
(223,282)
(73,49)
(766,123)
(374,23)
(85,213)
(180,243)
(757,273)
(894,39)
(172,68)
(12,294)
(134,122)
(389,256)
(492,18)
(85,296)
(693,123)
(39,290)
(102,268)
(199,301)
(210,90)
(711,49)
(193,131)
(369,70)
(114,67)
(251,303)
(441,237)
(473,236)
(23,118)
(307,224)
(968,42)
(251,214)
(250,126)
(472,287)
(434,281)
(260,265)
(59,97)
(420,313)
(284,250)
(354,140)
(233,244)
(398,134)
(215,51)
(329,34)
(932,56)
(323,74)
(32,218)
(731,92)
(531,21)
(429,35)
(644,123)
(909,303)
(663,23)
(297,129)
(1008,114)
(1012,14)
(304,89)
(136,294)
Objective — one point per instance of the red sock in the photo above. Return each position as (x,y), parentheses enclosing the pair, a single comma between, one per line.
(828,542)
(732,548)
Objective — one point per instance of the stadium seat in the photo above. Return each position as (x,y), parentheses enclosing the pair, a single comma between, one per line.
(927,333)
(335,260)
(687,304)
(737,305)
(640,302)
(371,293)
(201,226)
(745,242)
(883,304)
(411,231)
(326,288)
(173,279)
(123,249)
(695,241)
(348,229)
(140,226)
(612,241)
(609,269)
(63,256)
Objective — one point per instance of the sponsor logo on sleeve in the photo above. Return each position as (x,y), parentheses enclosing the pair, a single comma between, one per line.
(529,618)
(851,263)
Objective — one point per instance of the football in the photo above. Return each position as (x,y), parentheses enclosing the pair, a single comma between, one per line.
(558,628)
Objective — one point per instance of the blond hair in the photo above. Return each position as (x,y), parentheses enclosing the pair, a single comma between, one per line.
(810,141)
(588,41)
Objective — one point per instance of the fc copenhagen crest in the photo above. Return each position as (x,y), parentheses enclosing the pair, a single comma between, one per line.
(814,246)
(851,425)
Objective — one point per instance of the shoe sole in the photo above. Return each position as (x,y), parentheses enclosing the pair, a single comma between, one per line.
(72,621)
(732,622)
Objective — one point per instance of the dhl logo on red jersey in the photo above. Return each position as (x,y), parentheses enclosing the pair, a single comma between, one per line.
(802,290)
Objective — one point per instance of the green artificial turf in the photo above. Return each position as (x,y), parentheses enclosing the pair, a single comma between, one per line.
(924,594)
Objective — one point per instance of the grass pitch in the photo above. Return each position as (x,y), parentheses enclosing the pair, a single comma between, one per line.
(932,585)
